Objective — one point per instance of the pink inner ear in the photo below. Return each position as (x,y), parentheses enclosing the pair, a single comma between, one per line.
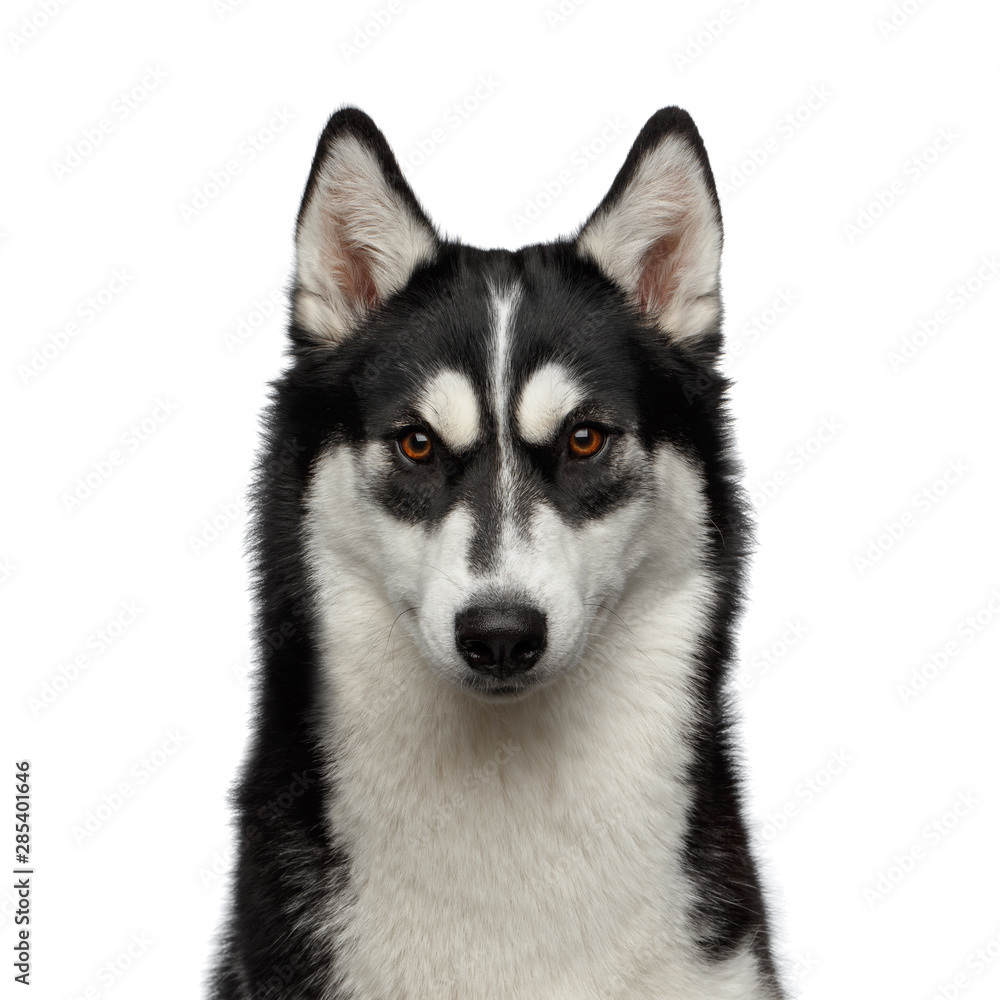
(660,275)
(349,263)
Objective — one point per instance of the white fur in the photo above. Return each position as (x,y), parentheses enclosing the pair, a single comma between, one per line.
(523,850)
(504,304)
(450,407)
(548,397)
(353,214)
(666,197)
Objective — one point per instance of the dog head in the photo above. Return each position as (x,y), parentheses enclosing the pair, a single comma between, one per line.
(502,441)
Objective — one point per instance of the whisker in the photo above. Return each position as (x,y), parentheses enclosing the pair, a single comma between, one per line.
(388,637)
(437,569)
(388,604)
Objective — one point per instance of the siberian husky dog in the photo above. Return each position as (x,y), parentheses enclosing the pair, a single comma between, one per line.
(500,547)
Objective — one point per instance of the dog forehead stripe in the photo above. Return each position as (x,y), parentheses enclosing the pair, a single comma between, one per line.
(449,404)
(550,394)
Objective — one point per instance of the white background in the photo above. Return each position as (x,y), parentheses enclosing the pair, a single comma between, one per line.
(818,118)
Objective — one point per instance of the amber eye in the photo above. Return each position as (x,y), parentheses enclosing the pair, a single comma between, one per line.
(585,441)
(416,445)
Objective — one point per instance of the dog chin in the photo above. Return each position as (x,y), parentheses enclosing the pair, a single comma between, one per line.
(518,687)
(491,690)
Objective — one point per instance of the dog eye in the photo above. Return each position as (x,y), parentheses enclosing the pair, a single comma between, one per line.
(585,441)
(416,445)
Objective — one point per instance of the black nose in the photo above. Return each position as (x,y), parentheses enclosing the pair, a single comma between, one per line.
(500,641)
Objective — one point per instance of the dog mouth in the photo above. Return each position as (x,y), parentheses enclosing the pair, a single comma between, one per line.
(487,688)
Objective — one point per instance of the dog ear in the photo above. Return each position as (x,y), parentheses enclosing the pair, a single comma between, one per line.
(658,232)
(360,233)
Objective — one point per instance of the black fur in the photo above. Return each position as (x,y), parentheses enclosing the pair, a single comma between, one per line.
(288,863)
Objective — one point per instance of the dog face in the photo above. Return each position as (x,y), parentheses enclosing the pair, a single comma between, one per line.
(503,438)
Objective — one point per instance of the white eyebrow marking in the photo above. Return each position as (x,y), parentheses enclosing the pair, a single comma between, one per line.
(450,407)
(551,394)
